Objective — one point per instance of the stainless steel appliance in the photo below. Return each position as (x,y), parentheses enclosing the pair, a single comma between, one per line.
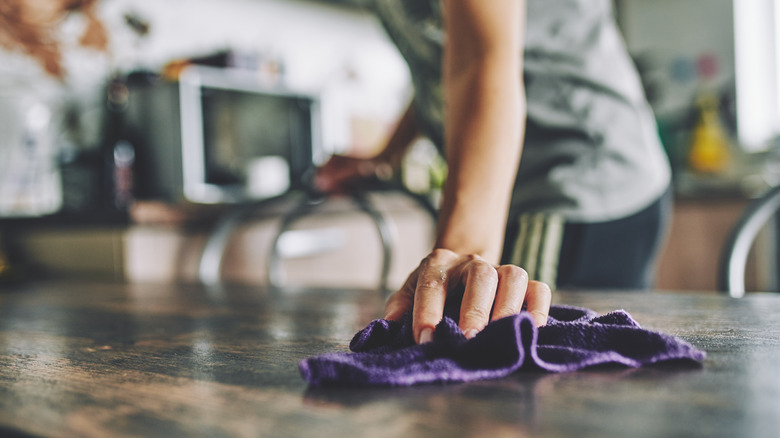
(218,135)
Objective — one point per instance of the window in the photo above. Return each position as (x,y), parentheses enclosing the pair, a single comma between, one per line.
(757,56)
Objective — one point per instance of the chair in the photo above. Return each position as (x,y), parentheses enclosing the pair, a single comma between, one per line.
(303,204)
(733,260)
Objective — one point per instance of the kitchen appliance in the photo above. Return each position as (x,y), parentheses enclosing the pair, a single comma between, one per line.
(218,135)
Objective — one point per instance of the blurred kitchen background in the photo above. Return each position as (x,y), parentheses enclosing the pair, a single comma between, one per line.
(180,148)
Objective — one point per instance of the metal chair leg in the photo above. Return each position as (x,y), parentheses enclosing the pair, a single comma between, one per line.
(731,273)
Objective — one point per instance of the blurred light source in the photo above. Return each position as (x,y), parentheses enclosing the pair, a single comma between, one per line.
(757,55)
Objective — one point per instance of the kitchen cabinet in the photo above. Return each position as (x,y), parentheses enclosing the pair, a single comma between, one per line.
(699,228)
(342,248)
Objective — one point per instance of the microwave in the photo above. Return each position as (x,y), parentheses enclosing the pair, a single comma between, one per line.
(218,135)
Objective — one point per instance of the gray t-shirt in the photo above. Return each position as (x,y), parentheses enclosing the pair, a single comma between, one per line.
(591,149)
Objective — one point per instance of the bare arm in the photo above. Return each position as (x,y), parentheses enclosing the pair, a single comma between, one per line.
(405,132)
(483,132)
(341,173)
(484,122)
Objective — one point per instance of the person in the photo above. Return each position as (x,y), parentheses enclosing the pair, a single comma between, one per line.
(586,206)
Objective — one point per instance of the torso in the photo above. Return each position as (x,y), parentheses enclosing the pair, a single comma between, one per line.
(591,150)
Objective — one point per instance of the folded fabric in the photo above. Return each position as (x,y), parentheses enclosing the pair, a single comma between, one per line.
(385,354)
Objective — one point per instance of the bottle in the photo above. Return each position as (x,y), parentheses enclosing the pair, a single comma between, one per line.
(124,158)
(710,146)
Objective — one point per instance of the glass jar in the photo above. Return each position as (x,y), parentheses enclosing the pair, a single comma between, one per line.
(30,183)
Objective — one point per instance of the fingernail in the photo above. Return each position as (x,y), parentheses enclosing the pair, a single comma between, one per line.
(470,333)
(426,335)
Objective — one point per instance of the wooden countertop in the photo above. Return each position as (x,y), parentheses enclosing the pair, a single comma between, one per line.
(85,359)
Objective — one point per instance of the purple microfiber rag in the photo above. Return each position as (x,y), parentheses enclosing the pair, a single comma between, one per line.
(385,354)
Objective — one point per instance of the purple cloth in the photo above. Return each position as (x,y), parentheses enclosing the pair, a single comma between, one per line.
(384,353)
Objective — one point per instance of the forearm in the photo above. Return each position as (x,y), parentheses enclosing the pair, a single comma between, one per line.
(405,132)
(484,124)
(483,133)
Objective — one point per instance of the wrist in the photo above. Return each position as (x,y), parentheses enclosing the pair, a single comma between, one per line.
(376,168)
(471,223)
(491,256)
(472,242)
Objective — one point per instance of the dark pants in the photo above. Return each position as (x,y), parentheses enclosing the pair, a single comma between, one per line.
(619,254)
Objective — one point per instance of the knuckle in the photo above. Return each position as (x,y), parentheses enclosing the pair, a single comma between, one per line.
(512,271)
(473,258)
(540,287)
(474,315)
(507,309)
(439,256)
(432,279)
(427,284)
(482,271)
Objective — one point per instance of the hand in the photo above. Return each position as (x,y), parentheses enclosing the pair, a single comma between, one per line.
(489,293)
(342,173)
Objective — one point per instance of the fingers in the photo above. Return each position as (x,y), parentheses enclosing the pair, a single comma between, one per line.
(488,293)
(506,297)
(511,293)
(538,299)
(430,293)
(480,280)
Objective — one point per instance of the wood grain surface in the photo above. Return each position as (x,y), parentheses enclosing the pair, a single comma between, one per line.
(96,360)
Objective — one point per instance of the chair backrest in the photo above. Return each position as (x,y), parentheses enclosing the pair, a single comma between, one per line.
(275,271)
(289,245)
(733,260)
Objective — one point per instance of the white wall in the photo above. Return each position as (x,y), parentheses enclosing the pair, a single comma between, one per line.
(339,53)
